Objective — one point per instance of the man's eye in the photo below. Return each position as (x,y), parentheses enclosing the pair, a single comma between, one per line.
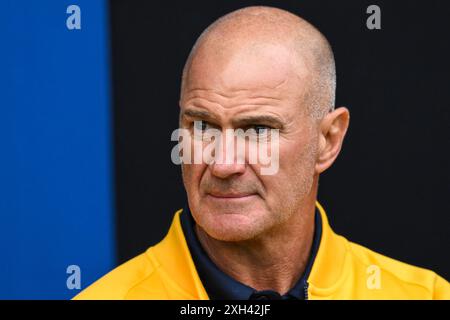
(201,125)
(261,129)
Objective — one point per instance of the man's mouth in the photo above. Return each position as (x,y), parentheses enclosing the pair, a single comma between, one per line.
(230,196)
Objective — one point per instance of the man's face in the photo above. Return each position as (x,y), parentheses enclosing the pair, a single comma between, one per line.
(249,88)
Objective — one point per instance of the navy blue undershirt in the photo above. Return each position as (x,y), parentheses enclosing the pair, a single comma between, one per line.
(220,286)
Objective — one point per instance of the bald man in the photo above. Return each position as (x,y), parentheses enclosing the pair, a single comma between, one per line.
(246,235)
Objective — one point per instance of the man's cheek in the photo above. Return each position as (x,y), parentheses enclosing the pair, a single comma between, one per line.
(188,177)
(195,174)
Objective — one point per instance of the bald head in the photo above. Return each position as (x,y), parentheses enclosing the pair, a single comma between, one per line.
(273,40)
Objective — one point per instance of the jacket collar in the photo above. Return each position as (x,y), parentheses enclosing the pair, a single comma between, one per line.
(221,286)
(328,271)
(172,258)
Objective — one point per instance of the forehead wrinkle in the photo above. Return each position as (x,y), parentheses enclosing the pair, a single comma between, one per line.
(235,92)
(217,89)
(233,115)
(243,97)
(227,103)
(243,105)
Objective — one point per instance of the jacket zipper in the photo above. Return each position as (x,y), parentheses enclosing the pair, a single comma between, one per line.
(305,288)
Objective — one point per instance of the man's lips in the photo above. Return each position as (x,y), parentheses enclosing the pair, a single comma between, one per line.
(230,195)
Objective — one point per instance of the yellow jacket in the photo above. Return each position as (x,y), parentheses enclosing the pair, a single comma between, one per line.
(341,270)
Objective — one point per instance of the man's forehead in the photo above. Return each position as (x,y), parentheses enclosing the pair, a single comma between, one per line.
(259,67)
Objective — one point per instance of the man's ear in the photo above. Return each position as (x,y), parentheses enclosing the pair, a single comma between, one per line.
(331,136)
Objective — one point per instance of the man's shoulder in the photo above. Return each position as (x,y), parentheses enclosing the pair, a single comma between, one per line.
(399,279)
(125,281)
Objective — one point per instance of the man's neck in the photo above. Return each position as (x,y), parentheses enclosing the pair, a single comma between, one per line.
(273,261)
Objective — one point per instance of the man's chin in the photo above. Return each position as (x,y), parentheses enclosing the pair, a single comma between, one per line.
(230,226)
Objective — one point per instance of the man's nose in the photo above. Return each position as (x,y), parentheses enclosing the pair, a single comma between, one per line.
(224,171)
(229,161)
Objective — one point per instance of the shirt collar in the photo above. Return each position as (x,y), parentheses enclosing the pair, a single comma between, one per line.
(219,285)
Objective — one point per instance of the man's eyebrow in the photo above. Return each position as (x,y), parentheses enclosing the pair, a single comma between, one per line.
(194,113)
(262,119)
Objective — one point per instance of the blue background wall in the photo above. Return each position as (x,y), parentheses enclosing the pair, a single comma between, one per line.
(56,184)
